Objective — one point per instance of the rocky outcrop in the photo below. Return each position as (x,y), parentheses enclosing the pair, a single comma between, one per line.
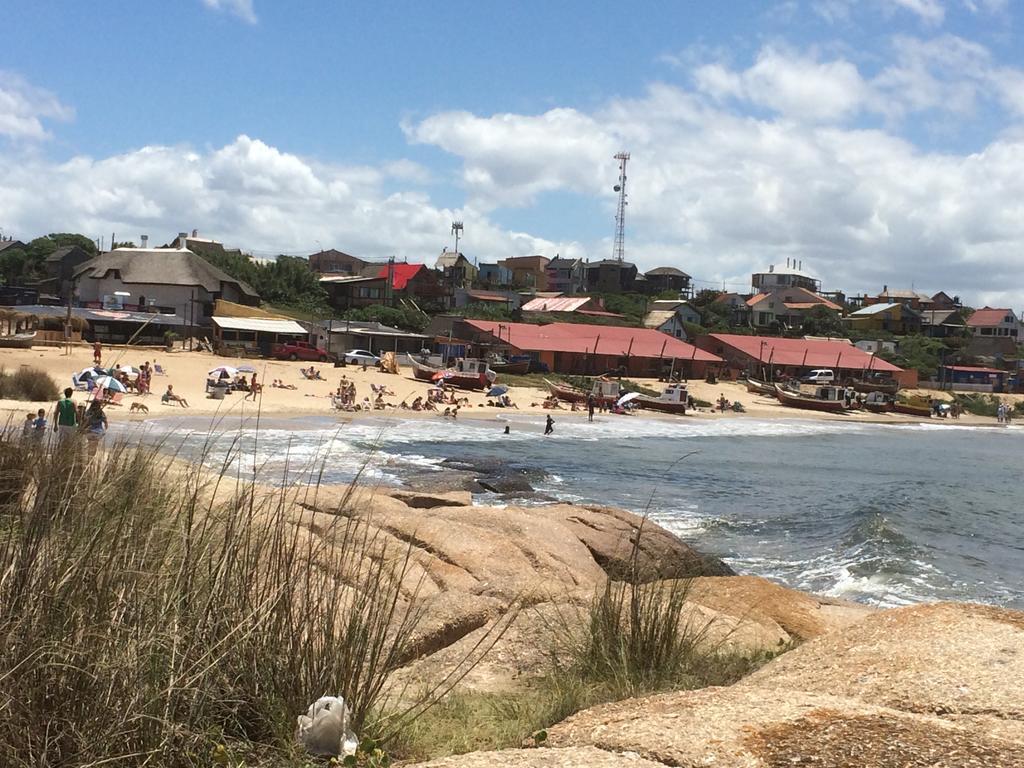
(571,757)
(758,728)
(932,685)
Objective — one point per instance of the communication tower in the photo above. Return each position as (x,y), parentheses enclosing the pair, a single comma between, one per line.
(619,250)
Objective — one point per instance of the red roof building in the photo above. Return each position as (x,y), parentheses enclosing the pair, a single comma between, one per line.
(795,357)
(402,274)
(591,349)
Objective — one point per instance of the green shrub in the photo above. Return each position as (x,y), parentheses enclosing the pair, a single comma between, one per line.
(141,622)
(28,383)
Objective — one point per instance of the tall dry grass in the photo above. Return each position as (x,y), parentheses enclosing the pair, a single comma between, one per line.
(144,616)
(28,383)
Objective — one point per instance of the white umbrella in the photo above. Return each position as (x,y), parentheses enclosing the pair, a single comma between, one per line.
(129,370)
(91,372)
(247,368)
(110,384)
(627,397)
(222,369)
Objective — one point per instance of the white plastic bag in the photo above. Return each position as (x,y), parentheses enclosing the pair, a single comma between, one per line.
(325,729)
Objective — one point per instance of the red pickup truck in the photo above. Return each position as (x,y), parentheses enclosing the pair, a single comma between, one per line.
(301,350)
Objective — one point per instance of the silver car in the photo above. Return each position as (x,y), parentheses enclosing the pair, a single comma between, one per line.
(361,357)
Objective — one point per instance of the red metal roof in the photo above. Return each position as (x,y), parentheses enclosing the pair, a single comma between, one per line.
(974,369)
(593,339)
(402,275)
(810,353)
(987,316)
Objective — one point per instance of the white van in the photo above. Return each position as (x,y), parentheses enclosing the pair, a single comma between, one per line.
(819,376)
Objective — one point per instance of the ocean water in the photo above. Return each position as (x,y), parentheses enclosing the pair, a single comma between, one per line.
(887,515)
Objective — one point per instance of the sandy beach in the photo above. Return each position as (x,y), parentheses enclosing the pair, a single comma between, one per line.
(187,372)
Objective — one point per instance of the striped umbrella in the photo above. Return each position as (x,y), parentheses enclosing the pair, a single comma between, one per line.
(110,384)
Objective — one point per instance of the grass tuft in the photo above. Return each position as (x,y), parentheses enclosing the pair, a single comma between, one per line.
(28,383)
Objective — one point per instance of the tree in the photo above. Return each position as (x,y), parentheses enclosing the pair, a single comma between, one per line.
(918,352)
(822,321)
(705,297)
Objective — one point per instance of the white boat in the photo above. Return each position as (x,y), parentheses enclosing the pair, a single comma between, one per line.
(672,400)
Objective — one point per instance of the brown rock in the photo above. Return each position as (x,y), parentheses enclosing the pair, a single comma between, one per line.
(610,535)
(801,615)
(758,728)
(947,659)
(572,757)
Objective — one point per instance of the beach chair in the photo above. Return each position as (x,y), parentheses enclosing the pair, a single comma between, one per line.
(159,370)
(78,384)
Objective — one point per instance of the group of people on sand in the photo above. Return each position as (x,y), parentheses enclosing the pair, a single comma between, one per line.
(1004,413)
(69,419)
(313,374)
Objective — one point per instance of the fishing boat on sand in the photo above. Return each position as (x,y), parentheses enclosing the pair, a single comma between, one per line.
(465,373)
(825,399)
(758,387)
(876,383)
(913,409)
(18,340)
(878,402)
(604,392)
(672,400)
(510,367)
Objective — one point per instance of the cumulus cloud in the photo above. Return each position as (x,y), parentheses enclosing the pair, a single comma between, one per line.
(243,9)
(929,11)
(24,107)
(248,194)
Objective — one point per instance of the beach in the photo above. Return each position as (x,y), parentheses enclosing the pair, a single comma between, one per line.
(187,372)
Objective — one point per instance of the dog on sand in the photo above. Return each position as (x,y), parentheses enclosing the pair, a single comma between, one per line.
(141,407)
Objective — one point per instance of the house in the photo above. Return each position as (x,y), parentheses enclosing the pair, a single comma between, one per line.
(338,336)
(610,276)
(574,348)
(896,318)
(785,306)
(61,266)
(408,281)
(670,317)
(973,379)
(663,279)
(568,305)
(910,298)
(942,323)
(943,300)
(456,270)
(528,271)
(174,280)
(739,312)
(493,275)
(508,300)
(566,275)
(256,335)
(11,244)
(335,262)
(994,332)
(795,357)
(788,277)
(119,326)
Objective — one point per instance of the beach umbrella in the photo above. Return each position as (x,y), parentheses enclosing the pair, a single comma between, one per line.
(110,384)
(92,372)
(130,370)
(497,391)
(220,370)
(247,368)
(627,397)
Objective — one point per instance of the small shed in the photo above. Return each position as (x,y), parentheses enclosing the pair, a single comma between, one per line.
(255,335)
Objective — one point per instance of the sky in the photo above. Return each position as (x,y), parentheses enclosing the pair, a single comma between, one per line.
(879,142)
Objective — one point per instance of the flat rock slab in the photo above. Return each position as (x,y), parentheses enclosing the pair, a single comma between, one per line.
(948,659)
(572,757)
(748,727)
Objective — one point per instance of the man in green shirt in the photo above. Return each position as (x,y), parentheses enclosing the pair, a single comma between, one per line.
(65,417)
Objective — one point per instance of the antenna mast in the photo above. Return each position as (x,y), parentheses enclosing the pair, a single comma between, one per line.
(619,250)
(456,230)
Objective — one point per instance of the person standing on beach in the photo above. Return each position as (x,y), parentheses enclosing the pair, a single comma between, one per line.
(96,425)
(253,388)
(65,416)
(550,426)
(97,353)
(590,407)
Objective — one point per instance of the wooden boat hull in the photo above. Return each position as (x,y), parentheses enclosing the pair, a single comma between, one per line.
(808,403)
(422,371)
(654,404)
(18,340)
(574,395)
(513,369)
(878,407)
(889,388)
(760,387)
(912,410)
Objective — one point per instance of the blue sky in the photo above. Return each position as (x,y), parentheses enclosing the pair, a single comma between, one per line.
(876,140)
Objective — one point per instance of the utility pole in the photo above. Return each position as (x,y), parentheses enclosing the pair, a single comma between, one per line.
(619,249)
(456,229)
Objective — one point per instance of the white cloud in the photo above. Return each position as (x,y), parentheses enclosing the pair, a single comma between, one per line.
(791,84)
(246,194)
(929,11)
(243,9)
(24,107)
